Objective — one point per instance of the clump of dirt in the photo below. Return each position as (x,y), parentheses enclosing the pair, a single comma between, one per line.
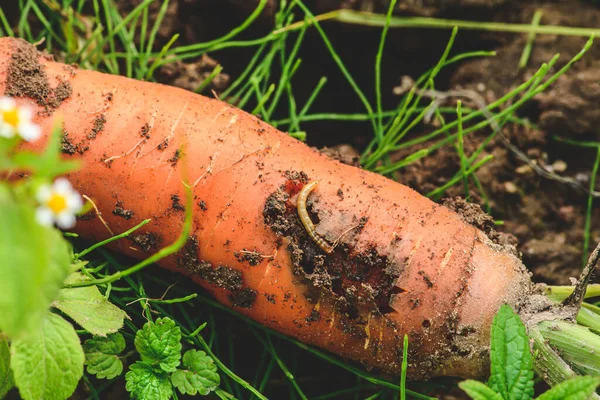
(97,127)
(243,298)
(221,276)
(145,131)
(176,203)
(119,211)
(472,214)
(163,145)
(147,241)
(359,280)
(253,258)
(173,160)
(67,146)
(26,77)
(187,257)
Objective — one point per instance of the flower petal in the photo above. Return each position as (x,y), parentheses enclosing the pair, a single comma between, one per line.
(44,216)
(65,220)
(30,132)
(44,193)
(25,114)
(6,130)
(74,202)
(7,103)
(62,186)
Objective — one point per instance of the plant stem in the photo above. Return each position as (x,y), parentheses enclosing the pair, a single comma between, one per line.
(577,345)
(576,298)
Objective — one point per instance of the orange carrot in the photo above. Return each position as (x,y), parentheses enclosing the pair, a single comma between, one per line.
(399,263)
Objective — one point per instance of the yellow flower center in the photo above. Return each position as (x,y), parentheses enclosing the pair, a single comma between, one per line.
(57,203)
(11,117)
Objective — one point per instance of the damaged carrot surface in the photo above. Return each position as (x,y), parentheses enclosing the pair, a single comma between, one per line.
(401,263)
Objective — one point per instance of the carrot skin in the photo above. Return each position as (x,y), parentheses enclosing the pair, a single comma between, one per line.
(403,264)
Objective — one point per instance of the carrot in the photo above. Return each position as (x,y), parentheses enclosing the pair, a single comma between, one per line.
(350,265)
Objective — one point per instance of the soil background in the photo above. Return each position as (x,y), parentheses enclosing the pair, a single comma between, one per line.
(542,217)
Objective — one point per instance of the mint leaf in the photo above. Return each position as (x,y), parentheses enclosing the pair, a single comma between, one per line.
(159,344)
(6,376)
(577,388)
(479,391)
(101,356)
(512,371)
(49,363)
(199,376)
(143,382)
(35,262)
(89,308)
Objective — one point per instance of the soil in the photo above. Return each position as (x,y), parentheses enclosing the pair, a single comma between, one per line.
(122,212)
(27,78)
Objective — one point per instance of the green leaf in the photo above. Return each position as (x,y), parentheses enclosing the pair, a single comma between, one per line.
(49,363)
(102,356)
(577,388)
(159,344)
(35,262)
(479,391)
(511,372)
(199,376)
(89,308)
(143,382)
(6,376)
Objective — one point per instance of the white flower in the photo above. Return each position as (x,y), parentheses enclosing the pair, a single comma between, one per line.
(59,203)
(15,120)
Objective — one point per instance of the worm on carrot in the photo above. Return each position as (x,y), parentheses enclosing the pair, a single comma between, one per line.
(305,218)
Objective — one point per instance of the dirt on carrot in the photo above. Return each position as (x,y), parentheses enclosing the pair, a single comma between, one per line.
(97,127)
(27,78)
(148,242)
(221,276)
(473,214)
(360,280)
(122,212)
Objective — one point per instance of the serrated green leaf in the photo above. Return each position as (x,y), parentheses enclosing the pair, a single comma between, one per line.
(6,376)
(577,388)
(35,262)
(89,308)
(159,344)
(102,356)
(144,382)
(511,360)
(479,391)
(199,376)
(48,364)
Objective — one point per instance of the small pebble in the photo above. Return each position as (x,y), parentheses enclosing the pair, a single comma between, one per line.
(510,187)
(559,166)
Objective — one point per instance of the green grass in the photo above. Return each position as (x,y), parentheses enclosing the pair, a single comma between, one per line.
(102,39)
